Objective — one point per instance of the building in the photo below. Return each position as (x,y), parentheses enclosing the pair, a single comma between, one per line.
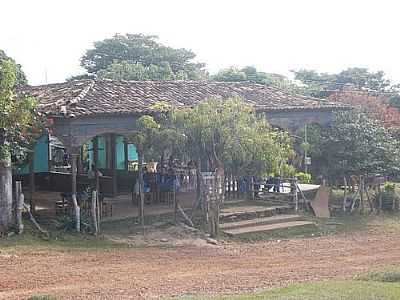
(90,118)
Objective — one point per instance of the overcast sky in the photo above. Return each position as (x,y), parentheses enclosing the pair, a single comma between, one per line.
(272,35)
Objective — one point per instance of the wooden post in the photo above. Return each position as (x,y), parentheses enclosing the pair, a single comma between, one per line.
(114,165)
(5,194)
(345,194)
(96,163)
(98,211)
(295,194)
(380,197)
(199,197)
(94,212)
(141,192)
(19,206)
(371,206)
(74,191)
(32,181)
(175,202)
(252,188)
(361,189)
(126,155)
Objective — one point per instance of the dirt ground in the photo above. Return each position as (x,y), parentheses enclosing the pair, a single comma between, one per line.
(157,272)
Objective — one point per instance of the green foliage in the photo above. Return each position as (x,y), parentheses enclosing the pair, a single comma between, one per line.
(145,136)
(394,101)
(354,145)
(303,177)
(325,290)
(389,186)
(288,171)
(140,57)
(231,74)
(42,297)
(67,223)
(127,71)
(322,84)
(229,131)
(18,119)
(20,78)
(390,275)
(250,74)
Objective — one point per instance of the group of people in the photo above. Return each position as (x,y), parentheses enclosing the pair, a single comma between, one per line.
(158,181)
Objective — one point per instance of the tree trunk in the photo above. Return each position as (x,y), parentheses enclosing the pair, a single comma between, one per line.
(5,195)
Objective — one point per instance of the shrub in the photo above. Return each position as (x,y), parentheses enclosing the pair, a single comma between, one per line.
(288,171)
(389,186)
(303,177)
(388,196)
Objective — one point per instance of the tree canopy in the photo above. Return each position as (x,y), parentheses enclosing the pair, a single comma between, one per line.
(18,118)
(323,84)
(355,144)
(140,57)
(251,74)
(218,131)
(228,132)
(20,78)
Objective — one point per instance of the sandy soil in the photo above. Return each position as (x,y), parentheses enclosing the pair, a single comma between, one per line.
(155,272)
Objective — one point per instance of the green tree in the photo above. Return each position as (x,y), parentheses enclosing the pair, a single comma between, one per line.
(322,85)
(19,74)
(250,74)
(17,123)
(356,144)
(128,71)
(229,134)
(231,74)
(140,57)
(143,138)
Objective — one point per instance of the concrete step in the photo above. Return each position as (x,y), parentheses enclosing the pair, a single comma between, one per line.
(260,221)
(237,213)
(265,228)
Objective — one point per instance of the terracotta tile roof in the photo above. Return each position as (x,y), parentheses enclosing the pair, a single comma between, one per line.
(89,97)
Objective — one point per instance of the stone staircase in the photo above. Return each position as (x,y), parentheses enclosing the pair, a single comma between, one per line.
(244,219)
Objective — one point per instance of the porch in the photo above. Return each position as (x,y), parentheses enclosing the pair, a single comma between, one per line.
(48,206)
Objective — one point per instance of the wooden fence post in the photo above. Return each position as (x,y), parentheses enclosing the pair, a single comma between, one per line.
(94,212)
(295,194)
(77,212)
(19,206)
(175,201)
(345,194)
(141,192)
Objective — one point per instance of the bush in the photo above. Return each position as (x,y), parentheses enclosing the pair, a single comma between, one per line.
(389,186)
(288,171)
(388,196)
(303,177)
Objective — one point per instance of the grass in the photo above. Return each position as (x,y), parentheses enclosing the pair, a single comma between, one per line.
(334,225)
(329,290)
(72,240)
(42,297)
(58,238)
(376,285)
(389,275)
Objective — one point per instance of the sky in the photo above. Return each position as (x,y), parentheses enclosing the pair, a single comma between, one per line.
(48,37)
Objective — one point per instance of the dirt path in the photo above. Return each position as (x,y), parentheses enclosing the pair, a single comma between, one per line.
(156,272)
